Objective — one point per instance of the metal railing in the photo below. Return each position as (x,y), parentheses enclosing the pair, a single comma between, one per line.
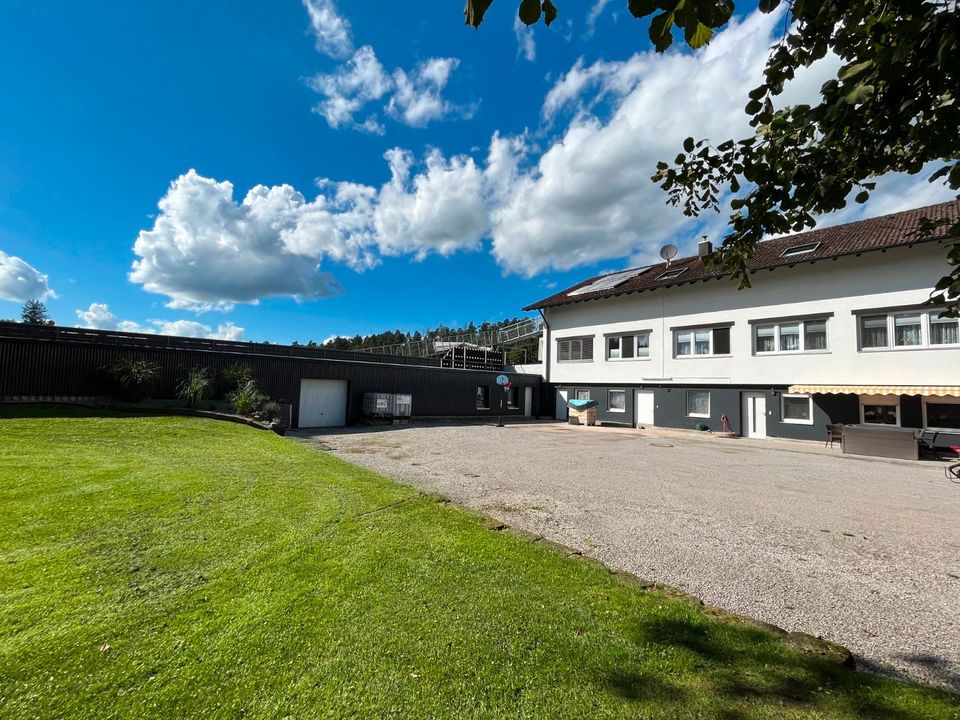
(492,338)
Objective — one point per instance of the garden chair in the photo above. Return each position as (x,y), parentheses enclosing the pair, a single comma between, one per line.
(834,432)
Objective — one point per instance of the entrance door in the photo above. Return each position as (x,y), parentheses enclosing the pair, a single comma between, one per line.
(562,404)
(528,402)
(644,404)
(323,403)
(754,414)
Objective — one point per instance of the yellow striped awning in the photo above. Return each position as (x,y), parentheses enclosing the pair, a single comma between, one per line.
(925,390)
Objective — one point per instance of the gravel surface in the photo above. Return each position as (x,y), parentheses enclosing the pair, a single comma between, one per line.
(864,552)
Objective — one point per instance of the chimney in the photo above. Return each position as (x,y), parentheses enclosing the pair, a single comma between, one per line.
(704,247)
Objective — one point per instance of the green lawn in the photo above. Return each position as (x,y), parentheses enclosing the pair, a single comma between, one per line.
(158,567)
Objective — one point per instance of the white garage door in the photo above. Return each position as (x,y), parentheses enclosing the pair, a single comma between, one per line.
(323,403)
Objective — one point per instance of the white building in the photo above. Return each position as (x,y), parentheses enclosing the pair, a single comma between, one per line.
(834,330)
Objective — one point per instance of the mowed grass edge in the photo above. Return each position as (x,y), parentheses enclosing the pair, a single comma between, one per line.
(169,566)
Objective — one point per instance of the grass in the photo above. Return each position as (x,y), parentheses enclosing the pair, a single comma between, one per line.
(157,567)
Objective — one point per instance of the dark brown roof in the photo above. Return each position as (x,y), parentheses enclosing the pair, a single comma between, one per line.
(853,238)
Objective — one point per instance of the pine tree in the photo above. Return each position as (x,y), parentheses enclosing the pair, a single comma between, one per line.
(34,312)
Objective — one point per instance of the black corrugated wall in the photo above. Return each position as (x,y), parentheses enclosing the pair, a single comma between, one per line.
(52,368)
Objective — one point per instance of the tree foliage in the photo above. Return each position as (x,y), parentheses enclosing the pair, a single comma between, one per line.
(893,107)
(34,312)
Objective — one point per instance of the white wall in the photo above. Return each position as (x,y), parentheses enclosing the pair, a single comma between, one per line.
(898,277)
(527,369)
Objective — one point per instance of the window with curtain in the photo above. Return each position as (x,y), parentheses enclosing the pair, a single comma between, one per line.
(698,403)
(583,394)
(684,343)
(702,342)
(613,347)
(907,330)
(815,335)
(766,340)
(879,414)
(643,345)
(943,331)
(789,337)
(873,331)
(617,400)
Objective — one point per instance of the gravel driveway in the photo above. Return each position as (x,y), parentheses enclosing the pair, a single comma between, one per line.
(864,552)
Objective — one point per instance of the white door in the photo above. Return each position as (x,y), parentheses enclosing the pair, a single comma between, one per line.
(528,401)
(644,404)
(754,415)
(562,404)
(323,403)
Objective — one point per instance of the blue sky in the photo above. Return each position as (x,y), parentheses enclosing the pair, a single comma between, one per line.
(412,171)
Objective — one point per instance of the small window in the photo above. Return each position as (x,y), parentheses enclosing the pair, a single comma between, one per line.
(907,330)
(575,349)
(800,249)
(483,397)
(721,341)
(670,274)
(701,342)
(698,403)
(766,340)
(944,331)
(583,395)
(873,331)
(815,335)
(942,414)
(796,409)
(513,398)
(613,347)
(880,409)
(617,400)
(643,345)
(684,340)
(790,337)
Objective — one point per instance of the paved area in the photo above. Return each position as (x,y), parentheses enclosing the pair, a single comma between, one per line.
(865,552)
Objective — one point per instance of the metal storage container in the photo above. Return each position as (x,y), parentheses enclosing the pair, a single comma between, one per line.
(377,404)
(402,406)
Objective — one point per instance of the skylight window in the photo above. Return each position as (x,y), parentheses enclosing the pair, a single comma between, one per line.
(670,274)
(800,249)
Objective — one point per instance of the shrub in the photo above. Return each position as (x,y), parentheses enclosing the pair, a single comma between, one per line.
(246,399)
(271,410)
(234,376)
(196,387)
(136,377)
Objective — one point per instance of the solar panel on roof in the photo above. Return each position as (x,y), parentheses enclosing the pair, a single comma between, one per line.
(607,282)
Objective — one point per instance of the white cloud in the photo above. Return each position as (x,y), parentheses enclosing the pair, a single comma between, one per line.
(354,84)
(20,281)
(99,316)
(208,251)
(415,96)
(589,196)
(595,12)
(330,30)
(526,45)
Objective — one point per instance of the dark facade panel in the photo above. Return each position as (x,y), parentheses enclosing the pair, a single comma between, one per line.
(74,369)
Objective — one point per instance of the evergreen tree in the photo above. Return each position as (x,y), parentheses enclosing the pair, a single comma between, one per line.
(34,312)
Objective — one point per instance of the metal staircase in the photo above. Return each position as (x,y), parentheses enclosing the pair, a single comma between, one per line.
(482,350)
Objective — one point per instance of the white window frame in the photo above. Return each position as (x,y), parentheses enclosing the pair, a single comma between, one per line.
(925,322)
(803,249)
(945,400)
(577,391)
(631,336)
(791,421)
(932,319)
(803,336)
(890,400)
(610,407)
(686,404)
(693,342)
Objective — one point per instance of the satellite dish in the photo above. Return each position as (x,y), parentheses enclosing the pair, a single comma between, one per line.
(668,252)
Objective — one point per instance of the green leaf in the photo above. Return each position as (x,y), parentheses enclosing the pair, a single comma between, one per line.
(641,8)
(529,11)
(753,107)
(768,6)
(697,37)
(853,70)
(862,197)
(474,11)
(661,31)
(688,144)
(549,12)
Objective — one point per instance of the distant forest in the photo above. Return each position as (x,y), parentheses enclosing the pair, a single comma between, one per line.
(523,351)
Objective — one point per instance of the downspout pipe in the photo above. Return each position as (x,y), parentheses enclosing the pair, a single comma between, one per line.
(546,347)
